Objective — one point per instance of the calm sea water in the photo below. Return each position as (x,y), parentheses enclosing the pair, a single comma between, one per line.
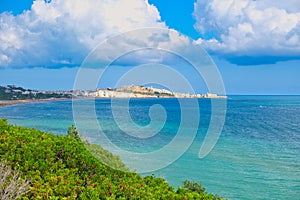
(256,157)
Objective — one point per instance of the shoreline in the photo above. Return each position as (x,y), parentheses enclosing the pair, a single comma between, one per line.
(5,103)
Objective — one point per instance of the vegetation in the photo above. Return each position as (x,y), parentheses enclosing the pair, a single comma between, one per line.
(61,167)
(11,92)
(11,184)
(164,94)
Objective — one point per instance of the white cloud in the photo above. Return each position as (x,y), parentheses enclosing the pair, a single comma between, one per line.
(249,28)
(64,31)
(141,46)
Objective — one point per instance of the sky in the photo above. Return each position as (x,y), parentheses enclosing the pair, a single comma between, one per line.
(254,44)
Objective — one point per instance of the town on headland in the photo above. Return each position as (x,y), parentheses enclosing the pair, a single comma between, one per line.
(11,92)
(134,91)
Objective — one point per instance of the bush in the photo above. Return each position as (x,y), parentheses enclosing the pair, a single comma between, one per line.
(61,167)
(193,186)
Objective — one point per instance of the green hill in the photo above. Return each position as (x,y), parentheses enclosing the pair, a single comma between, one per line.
(60,167)
(11,92)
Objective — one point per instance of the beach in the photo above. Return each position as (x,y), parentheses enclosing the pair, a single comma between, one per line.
(4,103)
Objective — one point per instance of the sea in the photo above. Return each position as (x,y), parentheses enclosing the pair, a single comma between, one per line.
(256,156)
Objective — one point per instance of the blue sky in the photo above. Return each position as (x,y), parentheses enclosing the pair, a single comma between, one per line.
(255,44)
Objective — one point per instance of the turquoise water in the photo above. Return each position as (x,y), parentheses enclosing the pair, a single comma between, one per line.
(256,157)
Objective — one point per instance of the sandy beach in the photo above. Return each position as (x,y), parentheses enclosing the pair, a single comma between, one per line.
(4,103)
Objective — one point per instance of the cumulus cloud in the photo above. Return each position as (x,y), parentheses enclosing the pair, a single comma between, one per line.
(246,31)
(140,46)
(62,32)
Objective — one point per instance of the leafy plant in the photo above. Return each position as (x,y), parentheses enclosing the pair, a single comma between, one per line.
(62,167)
(72,131)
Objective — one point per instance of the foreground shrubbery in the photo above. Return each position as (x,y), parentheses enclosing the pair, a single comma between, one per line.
(60,167)
(12,185)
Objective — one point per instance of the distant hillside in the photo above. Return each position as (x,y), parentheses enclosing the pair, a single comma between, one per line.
(135,91)
(11,92)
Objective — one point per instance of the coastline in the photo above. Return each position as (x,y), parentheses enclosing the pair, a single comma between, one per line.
(124,92)
(5,103)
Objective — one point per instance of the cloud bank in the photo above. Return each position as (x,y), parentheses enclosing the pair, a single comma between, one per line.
(250,32)
(62,32)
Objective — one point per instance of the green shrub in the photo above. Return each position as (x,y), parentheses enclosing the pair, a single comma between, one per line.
(193,186)
(62,167)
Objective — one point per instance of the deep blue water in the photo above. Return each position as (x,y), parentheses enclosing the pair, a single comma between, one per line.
(256,157)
